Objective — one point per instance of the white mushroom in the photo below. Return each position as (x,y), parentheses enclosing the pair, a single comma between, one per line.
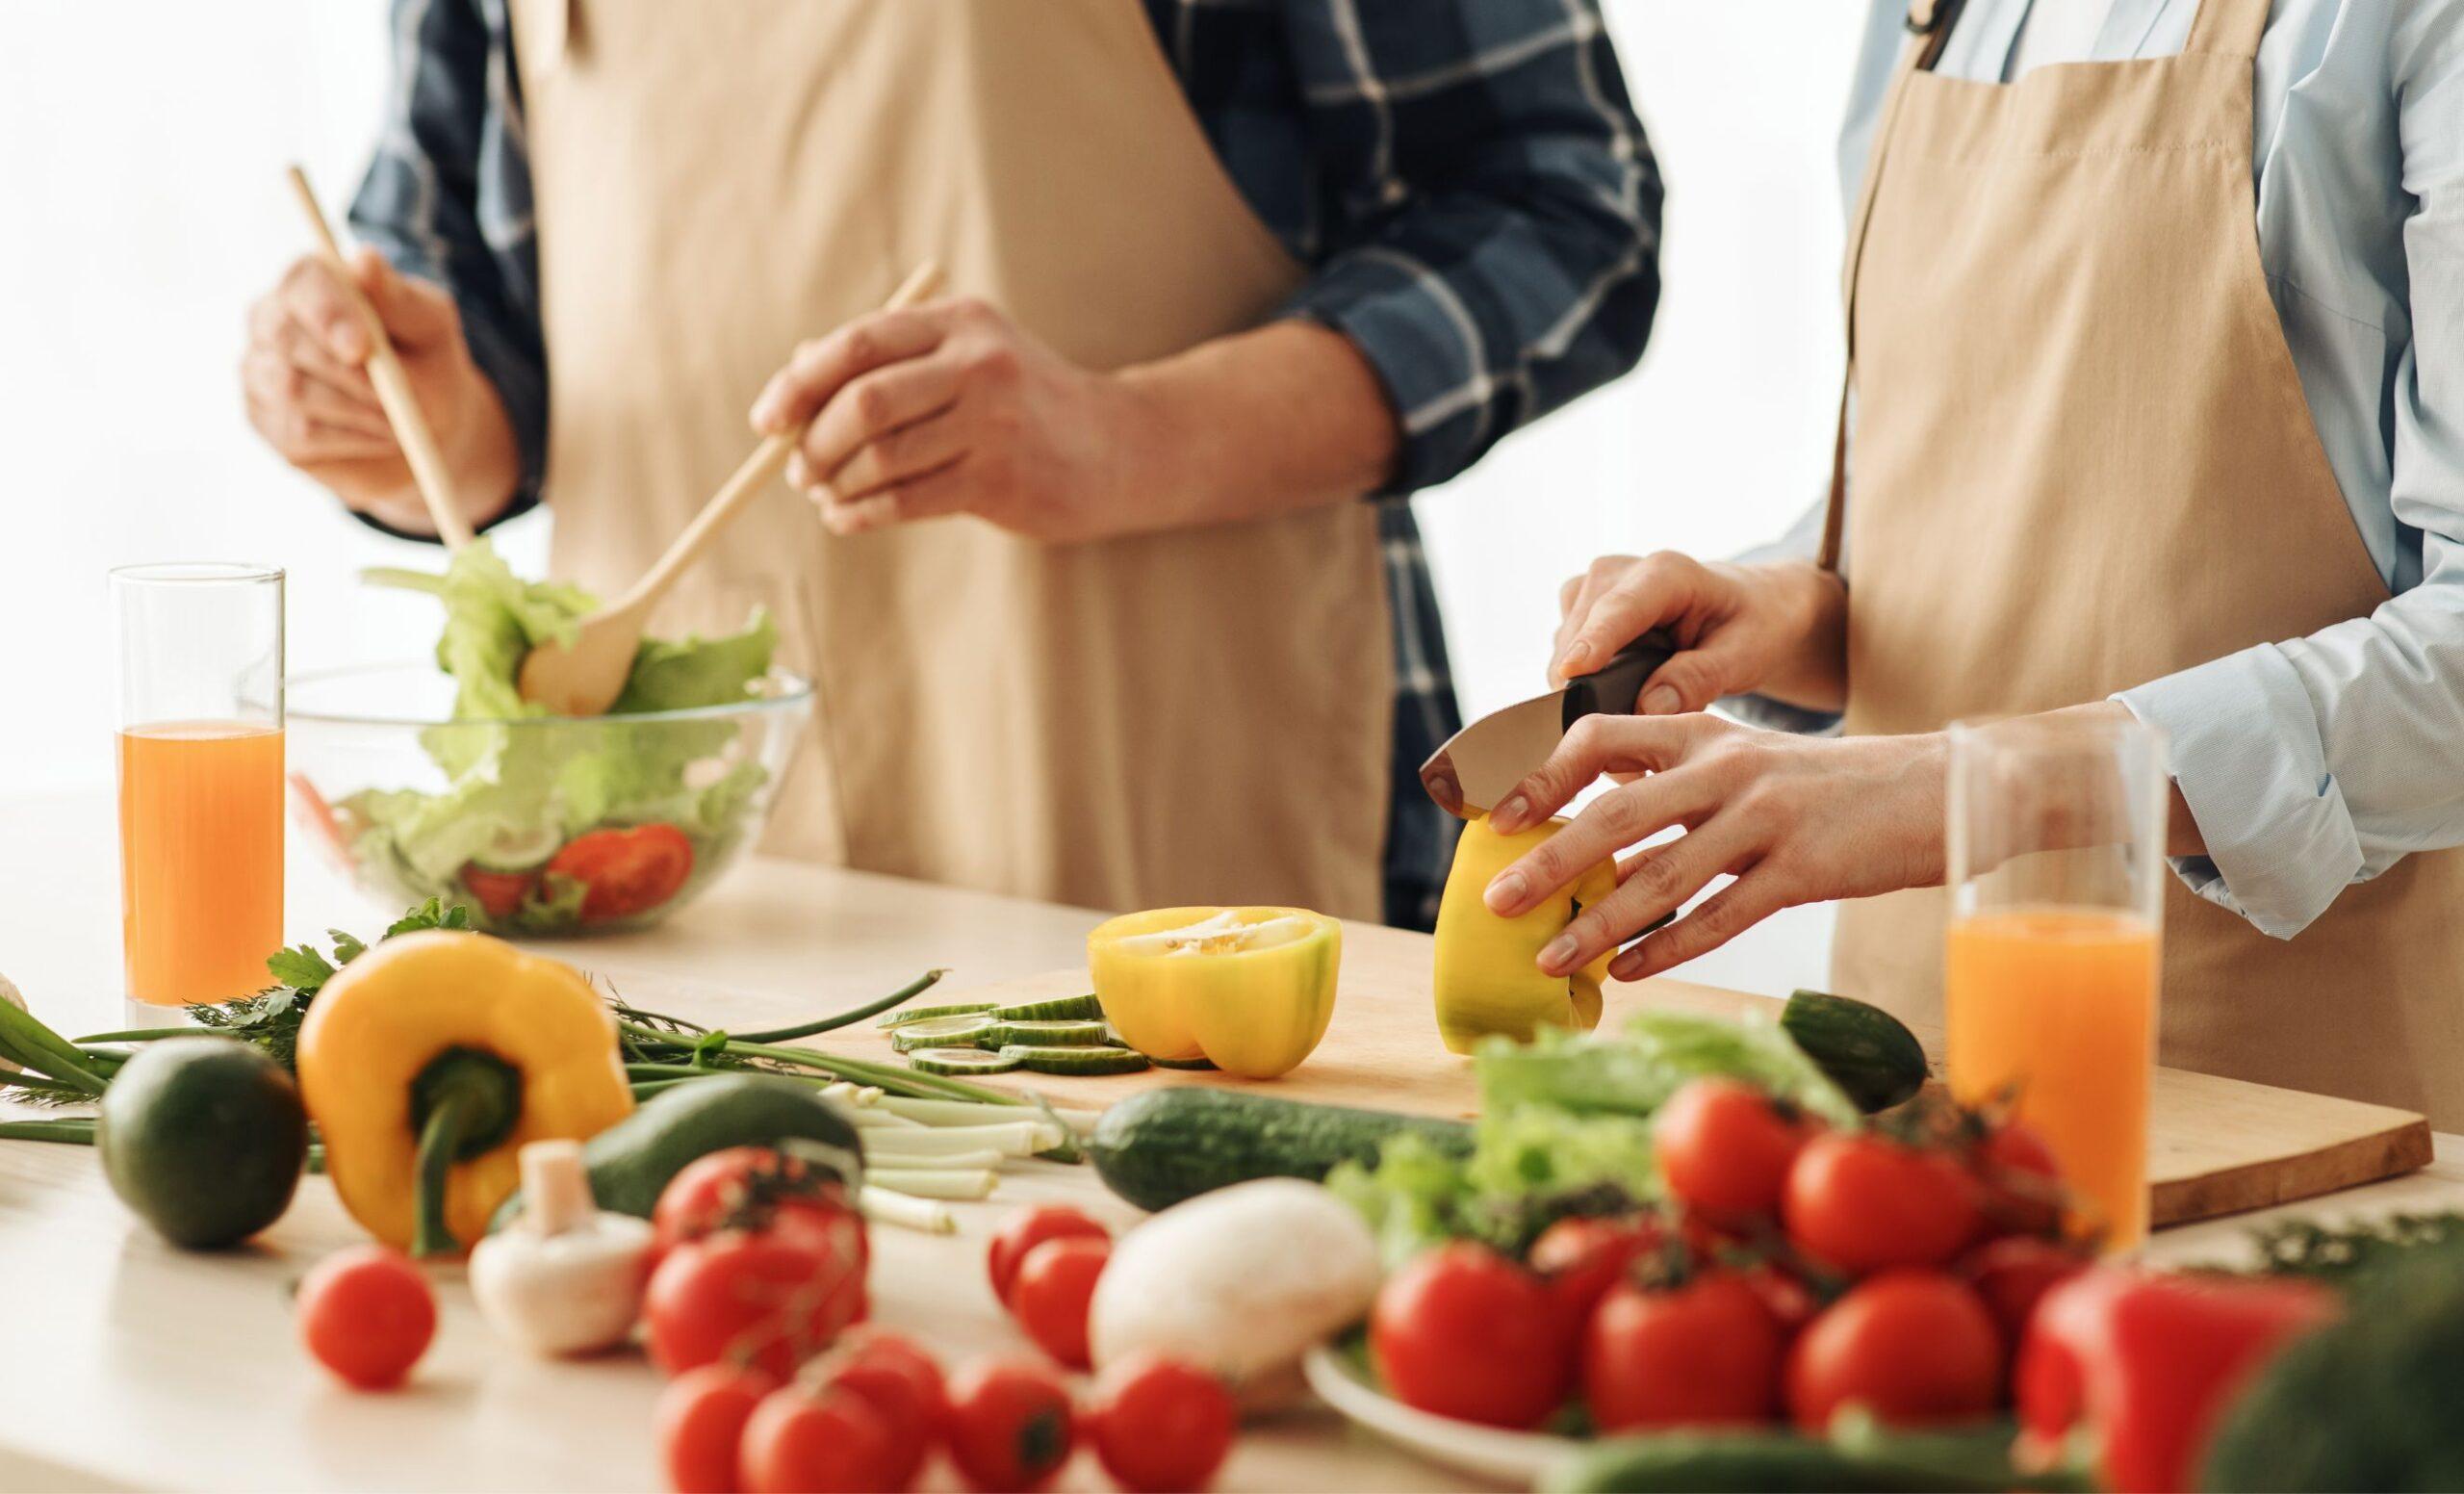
(565,1277)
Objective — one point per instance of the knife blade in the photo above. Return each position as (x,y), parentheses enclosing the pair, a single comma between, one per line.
(1482,762)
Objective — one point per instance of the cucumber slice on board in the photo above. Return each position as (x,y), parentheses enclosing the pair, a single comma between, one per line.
(1004,1033)
(962,1061)
(1061,1009)
(940,1032)
(929,1013)
(1200,1062)
(1074,1061)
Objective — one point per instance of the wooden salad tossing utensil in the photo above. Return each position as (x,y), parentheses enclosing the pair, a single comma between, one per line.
(428,472)
(584,677)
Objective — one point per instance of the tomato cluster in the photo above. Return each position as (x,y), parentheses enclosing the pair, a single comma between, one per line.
(1794,1271)
(760,1262)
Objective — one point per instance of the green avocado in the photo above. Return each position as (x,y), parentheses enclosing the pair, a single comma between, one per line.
(203,1138)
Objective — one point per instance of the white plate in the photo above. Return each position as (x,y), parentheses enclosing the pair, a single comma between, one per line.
(1515,1457)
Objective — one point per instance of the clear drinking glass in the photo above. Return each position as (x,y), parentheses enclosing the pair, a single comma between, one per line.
(201,779)
(2057,874)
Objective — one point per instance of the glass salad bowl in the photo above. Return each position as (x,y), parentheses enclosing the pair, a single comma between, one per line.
(542,826)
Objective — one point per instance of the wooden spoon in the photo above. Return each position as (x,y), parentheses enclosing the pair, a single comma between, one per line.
(584,677)
(428,472)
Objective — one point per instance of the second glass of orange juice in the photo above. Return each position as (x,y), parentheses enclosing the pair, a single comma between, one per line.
(200,780)
(2051,963)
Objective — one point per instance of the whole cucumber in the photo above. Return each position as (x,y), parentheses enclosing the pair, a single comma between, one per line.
(1715,1462)
(632,1162)
(1164,1146)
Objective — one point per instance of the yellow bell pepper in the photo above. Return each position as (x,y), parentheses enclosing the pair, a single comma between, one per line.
(428,1063)
(1488,977)
(1250,990)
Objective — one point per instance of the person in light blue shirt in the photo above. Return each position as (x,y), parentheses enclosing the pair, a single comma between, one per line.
(2301,765)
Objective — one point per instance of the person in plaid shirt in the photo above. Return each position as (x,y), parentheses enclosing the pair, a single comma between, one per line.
(1466,183)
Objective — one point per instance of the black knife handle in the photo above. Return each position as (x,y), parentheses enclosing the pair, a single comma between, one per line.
(1613,687)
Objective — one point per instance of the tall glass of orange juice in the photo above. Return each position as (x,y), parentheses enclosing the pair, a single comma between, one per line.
(2056,869)
(201,779)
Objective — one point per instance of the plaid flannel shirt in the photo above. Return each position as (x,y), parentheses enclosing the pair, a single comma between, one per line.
(1466,178)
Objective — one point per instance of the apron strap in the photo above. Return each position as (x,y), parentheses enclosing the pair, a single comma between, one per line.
(2228,28)
(1929,23)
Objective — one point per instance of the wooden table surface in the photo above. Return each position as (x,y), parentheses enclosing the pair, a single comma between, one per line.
(124,1363)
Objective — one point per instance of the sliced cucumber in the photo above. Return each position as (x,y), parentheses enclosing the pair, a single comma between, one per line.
(1063,1008)
(510,852)
(927,1013)
(1074,1061)
(1004,1033)
(1199,1062)
(962,1060)
(940,1032)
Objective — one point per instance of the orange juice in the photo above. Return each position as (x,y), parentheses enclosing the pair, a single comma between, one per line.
(201,843)
(2059,1006)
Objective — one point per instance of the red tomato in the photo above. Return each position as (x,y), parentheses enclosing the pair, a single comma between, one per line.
(750,1188)
(1705,1353)
(1911,1347)
(1863,1202)
(801,1441)
(366,1314)
(2023,1180)
(701,1421)
(1024,1230)
(1790,1301)
(1579,1259)
(1055,1281)
(624,872)
(1724,1148)
(500,894)
(2013,1274)
(772,1299)
(1159,1424)
(1010,1424)
(1464,1333)
(903,1384)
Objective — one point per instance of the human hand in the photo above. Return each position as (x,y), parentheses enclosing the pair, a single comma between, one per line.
(1738,628)
(305,379)
(1796,820)
(950,408)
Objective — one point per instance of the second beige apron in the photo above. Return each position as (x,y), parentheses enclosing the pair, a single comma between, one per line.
(1194,717)
(2081,461)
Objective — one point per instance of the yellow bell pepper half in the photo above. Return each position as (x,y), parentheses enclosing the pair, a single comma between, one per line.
(431,1059)
(1250,990)
(1488,978)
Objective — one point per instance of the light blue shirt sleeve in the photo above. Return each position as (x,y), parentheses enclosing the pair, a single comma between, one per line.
(2314,762)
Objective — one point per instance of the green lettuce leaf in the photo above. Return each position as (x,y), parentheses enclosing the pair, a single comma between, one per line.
(1634,1070)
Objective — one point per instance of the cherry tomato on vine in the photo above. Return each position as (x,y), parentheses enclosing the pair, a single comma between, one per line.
(1863,1202)
(1703,1354)
(752,1188)
(1725,1148)
(2011,1275)
(771,1299)
(1055,1284)
(904,1386)
(1579,1259)
(1024,1230)
(807,1441)
(701,1419)
(1463,1332)
(1911,1347)
(2023,1180)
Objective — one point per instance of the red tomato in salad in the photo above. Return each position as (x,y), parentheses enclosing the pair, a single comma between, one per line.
(701,1419)
(624,872)
(1159,1424)
(1725,1148)
(1580,1258)
(804,1441)
(1463,1332)
(904,1386)
(1025,1229)
(368,1315)
(1056,1282)
(2023,1180)
(1863,1203)
(771,1298)
(1010,1424)
(2011,1275)
(500,894)
(1704,1354)
(752,1188)
(1911,1347)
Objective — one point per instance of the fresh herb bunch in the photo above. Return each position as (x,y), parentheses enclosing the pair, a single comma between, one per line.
(2344,1253)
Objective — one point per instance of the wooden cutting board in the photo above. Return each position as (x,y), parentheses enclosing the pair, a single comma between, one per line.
(2216,1146)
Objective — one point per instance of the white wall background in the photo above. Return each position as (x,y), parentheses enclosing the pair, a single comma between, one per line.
(140,210)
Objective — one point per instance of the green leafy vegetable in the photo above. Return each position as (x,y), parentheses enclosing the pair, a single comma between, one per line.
(1633,1072)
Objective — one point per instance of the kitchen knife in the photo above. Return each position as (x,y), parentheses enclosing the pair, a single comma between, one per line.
(1482,762)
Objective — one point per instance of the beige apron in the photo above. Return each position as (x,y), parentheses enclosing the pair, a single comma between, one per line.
(2082,461)
(1192,717)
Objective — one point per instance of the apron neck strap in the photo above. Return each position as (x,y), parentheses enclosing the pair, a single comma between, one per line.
(2228,28)
(1929,23)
